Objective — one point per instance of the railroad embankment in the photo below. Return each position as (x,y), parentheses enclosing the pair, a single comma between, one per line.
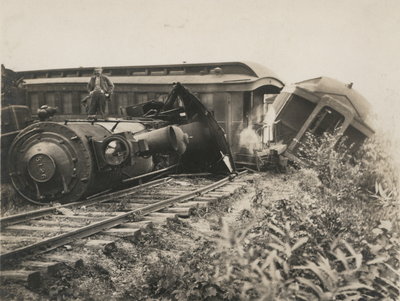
(276,239)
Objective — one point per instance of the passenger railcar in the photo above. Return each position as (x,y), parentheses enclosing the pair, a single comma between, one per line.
(228,90)
(316,106)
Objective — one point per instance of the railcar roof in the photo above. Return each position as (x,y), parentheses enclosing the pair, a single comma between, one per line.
(164,80)
(341,91)
(192,73)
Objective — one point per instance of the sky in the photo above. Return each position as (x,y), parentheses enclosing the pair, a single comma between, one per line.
(351,40)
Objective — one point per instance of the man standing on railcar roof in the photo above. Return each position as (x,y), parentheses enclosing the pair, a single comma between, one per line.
(100,88)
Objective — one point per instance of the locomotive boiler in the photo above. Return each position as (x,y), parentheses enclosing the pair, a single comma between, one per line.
(67,161)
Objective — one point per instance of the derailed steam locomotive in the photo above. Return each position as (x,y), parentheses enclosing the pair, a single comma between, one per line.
(66,161)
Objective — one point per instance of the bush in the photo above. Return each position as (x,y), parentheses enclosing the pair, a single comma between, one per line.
(350,174)
(359,202)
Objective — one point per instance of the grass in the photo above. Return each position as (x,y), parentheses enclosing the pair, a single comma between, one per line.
(335,238)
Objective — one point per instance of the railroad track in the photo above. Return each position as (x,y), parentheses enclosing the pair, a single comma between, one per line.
(117,214)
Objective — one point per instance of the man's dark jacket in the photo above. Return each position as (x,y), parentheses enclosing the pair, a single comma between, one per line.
(105,84)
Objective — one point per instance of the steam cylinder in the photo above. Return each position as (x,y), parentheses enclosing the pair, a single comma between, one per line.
(166,139)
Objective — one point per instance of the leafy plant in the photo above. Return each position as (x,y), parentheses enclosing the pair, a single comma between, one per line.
(333,279)
(334,238)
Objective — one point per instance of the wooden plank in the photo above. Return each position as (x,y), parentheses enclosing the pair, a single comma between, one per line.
(97,214)
(182,188)
(215,194)
(161,214)
(238,183)
(120,231)
(192,204)
(37,264)
(68,257)
(132,206)
(135,225)
(41,229)
(144,201)
(224,189)
(227,190)
(17,275)
(200,174)
(77,217)
(205,199)
(144,197)
(169,192)
(7,246)
(65,211)
(177,210)
(64,223)
(33,278)
(159,219)
(97,243)
(16,239)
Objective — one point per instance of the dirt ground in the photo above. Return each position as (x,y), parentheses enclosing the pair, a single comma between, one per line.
(118,273)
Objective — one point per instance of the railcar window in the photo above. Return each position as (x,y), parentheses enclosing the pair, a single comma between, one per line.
(131,99)
(76,102)
(354,137)
(327,120)
(122,101)
(83,109)
(161,97)
(67,103)
(280,100)
(34,102)
(293,116)
(268,101)
(51,99)
(237,106)
(207,99)
(107,110)
(216,103)
(220,105)
(237,119)
(141,97)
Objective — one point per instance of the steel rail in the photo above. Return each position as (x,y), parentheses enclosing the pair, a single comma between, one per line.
(17,218)
(150,173)
(94,228)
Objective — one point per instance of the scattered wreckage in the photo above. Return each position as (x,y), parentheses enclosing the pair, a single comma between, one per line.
(74,158)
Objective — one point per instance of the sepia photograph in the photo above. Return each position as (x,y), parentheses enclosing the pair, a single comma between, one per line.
(200,150)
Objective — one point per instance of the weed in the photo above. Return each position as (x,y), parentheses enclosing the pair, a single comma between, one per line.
(336,238)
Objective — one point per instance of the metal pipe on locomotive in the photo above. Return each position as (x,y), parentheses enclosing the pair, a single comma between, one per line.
(66,161)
